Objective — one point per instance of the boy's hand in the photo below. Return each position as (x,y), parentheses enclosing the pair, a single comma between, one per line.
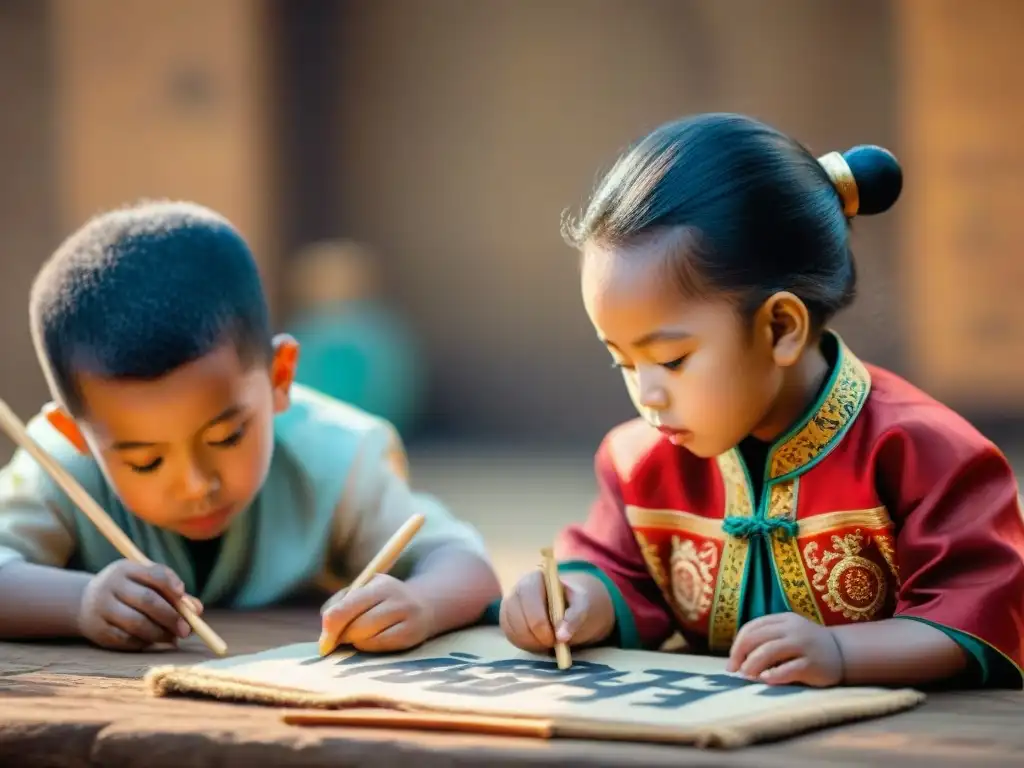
(384,615)
(786,648)
(128,607)
(527,624)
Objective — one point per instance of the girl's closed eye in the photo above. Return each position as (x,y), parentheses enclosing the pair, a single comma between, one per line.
(675,365)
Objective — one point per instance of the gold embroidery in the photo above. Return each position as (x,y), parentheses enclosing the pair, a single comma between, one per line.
(786,553)
(693,584)
(650,553)
(850,386)
(670,519)
(886,546)
(854,586)
(725,611)
(876,518)
(657,570)
(690,587)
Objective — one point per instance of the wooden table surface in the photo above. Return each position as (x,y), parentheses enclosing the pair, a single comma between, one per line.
(71,705)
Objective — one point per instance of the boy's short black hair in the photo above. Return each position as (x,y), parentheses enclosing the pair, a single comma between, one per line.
(140,291)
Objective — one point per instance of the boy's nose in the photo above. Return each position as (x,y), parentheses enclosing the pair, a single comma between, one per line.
(197,484)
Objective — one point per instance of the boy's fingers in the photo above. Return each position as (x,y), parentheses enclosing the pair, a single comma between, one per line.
(195,603)
(394,638)
(378,619)
(336,619)
(115,637)
(333,600)
(136,624)
(161,578)
(152,605)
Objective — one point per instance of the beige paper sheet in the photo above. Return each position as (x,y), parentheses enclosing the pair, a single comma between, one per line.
(607,694)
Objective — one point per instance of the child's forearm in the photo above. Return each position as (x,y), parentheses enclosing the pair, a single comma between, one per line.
(897,652)
(456,584)
(37,601)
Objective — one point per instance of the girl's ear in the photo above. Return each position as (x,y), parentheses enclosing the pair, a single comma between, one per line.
(787,319)
(62,421)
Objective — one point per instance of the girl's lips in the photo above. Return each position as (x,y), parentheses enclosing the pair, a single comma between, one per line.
(676,436)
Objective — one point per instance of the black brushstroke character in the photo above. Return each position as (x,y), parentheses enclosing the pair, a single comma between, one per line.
(465,674)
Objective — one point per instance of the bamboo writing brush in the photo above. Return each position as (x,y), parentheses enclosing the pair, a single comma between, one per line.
(16,430)
(556,603)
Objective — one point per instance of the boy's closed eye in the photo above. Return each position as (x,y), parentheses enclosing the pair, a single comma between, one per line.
(233,439)
(228,442)
(143,469)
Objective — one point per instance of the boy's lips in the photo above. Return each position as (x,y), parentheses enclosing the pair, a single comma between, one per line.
(207,523)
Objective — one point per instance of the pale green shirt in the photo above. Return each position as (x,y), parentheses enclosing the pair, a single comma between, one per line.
(335,493)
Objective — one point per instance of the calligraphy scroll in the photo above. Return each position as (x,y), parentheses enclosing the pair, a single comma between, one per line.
(606,694)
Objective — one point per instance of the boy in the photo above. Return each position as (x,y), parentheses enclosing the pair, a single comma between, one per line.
(175,409)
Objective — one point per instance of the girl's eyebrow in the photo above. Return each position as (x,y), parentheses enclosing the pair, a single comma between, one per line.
(662,335)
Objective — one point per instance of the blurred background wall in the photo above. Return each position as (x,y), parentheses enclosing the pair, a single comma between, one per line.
(447,137)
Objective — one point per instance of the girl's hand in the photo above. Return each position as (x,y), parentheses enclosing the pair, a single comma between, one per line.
(589,617)
(786,648)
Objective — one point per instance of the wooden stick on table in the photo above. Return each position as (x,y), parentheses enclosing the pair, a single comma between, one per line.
(425,721)
(556,604)
(16,430)
(381,563)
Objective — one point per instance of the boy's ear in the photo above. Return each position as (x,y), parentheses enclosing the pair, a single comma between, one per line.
(61,421)
(282,370)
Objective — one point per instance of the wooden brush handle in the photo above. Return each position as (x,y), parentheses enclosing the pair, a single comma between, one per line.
(556,604)
(16,430)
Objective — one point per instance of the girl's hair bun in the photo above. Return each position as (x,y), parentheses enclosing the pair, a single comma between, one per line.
(867,178)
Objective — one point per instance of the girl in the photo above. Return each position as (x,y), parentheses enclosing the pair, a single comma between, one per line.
(818,519)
